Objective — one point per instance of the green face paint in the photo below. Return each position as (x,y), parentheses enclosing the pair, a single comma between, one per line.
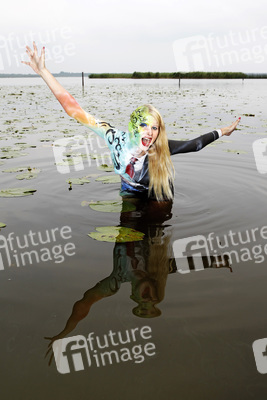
(138,117)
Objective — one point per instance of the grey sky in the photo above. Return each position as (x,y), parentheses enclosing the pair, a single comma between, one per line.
(122,36)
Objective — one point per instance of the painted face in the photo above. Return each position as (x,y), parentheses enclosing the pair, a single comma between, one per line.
(144,129)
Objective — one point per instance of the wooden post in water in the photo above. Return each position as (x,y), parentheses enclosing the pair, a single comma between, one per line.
(82,80)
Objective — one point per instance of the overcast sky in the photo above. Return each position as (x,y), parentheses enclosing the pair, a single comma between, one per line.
(127,36)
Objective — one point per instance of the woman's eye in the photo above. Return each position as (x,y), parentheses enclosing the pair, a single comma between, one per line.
(154,128)
(143,125)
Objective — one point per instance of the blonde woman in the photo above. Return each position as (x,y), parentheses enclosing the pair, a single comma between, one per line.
(142,156)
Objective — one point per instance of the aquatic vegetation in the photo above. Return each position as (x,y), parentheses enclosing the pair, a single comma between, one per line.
(109,179)
(235,151)
(23,146)
(105,167)
(78,181)
(116,234)
(110,206)
(68,162)
(16,192)
(31,174)
(47,139)
(9,152)
(2,225)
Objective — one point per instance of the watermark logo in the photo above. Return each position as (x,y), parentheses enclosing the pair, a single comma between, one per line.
(260,154)
(193,253)
(71,354)
(57,41)
(75,150)
(260,354)
(200,252)
(222,53)
(78,353)
(38,245)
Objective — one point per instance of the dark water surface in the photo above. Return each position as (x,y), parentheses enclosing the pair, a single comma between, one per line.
(202,323)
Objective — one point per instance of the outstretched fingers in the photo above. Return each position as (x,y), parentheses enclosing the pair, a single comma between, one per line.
(229,129)
(37,63)
(235,123)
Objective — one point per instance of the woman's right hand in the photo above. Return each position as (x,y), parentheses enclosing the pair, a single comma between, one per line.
(229,129)
(37,63)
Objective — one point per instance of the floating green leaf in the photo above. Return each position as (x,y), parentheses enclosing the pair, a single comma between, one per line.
(116,234)
(31,174)
(109,179)
(105,167)
(235,151)
(2,225)
(78,181)
(12,154)
(95,156)
(22,146)
(16,169)
(111,206)
(16,192)
(68,162)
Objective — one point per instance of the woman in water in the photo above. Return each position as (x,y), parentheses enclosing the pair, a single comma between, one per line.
(141,156)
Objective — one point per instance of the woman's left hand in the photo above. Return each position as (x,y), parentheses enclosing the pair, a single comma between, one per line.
(229,129)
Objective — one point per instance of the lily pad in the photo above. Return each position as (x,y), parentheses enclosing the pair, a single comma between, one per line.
(105,167)
(31,174)
(68,162)
(116,234)
(235,151)
(95,156)
(2,225)
(109,179)
(16,169)
(16,192)
(12,154)
(78,181)
(22,146)
(111,206)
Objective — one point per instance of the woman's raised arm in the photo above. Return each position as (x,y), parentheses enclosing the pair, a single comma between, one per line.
(70,105)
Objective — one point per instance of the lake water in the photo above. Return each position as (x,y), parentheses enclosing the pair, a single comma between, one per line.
(193,329)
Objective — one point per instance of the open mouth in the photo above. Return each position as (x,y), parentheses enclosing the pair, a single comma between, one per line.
(146,141)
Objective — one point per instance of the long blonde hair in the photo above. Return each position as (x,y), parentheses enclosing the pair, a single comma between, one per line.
(160,167)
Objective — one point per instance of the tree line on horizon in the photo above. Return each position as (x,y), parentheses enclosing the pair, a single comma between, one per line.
(178,75)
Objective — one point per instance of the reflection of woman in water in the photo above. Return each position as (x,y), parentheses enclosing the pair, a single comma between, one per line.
(142,156)
(145,264)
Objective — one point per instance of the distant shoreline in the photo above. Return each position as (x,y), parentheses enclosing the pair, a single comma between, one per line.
(150,75)
(180,75)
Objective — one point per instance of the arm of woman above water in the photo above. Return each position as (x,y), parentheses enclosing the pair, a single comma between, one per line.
(230,129)
(179,146)
(70,105)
